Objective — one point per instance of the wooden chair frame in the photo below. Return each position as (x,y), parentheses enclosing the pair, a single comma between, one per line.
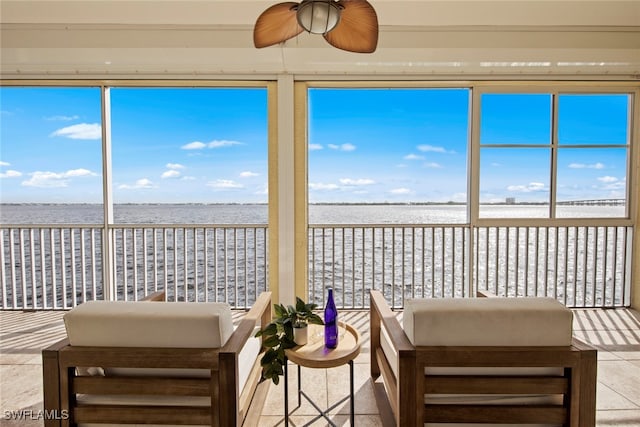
(405,393)
(228,405)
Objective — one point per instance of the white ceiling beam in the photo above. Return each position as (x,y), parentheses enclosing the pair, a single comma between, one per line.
(390,12)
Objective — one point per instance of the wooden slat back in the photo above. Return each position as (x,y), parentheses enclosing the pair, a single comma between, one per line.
(142,386)
(180,415)
(485,384)
(140,357)
(498,414)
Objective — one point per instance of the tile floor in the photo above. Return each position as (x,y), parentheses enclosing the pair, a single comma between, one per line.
(616,334)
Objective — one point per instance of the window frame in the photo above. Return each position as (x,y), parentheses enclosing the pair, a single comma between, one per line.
(555,90)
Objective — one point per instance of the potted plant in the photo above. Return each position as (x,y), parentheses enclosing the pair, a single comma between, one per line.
(280,335)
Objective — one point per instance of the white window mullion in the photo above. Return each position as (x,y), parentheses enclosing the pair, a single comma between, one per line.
(108,285)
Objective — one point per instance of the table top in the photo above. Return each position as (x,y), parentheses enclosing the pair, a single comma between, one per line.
(315,355)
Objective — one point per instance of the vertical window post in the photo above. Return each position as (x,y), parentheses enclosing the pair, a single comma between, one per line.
(107,232)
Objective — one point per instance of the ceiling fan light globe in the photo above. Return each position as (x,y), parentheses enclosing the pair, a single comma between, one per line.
(318,16)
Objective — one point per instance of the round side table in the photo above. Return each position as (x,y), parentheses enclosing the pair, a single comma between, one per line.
(315,355)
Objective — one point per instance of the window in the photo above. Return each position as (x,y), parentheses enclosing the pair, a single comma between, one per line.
(593,151)
(51,155)
(529,169)
(388,155)
(180,151)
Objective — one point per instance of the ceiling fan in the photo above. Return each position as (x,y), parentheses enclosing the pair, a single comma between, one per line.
(350,25)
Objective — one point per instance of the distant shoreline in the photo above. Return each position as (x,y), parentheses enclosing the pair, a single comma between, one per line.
(602,202)
(266,204)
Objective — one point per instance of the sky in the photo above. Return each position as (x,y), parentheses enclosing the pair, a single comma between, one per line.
(209,145)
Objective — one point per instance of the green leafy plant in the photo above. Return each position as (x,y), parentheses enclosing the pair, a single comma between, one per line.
(277,336)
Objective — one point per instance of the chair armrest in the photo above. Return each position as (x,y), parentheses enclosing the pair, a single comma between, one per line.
(485,294)
(155,296)
(401,389)
(262,304)
(244,331)
(57,346)
(398,338)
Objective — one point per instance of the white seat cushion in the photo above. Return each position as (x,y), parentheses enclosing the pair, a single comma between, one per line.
(156,324)
(487,322)
(145,324)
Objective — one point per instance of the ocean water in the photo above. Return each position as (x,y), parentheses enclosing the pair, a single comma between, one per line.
(258,213)
(230,264)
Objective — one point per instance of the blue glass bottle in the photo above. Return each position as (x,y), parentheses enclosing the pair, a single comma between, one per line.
(330,322)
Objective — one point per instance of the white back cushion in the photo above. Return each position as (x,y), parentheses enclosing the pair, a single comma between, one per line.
(149,324)
(487,322)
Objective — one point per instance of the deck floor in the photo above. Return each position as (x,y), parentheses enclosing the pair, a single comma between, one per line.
(616,334)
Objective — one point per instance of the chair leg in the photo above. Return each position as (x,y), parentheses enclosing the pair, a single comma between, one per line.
(374,317)
(51,381)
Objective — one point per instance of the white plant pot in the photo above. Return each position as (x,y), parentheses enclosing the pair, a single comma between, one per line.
(300,335)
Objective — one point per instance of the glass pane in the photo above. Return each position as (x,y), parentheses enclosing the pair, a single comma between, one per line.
(591,182)
(190,155)
(388,155)
(51,157)
(594,119)
(515,119)
(514,182)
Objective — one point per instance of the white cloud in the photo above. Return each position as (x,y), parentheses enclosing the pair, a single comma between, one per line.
(43,179)
(586,166)
(10,174)
(79,172)
(142,183)
(46,179)
(175,166)
(224,184)
(318,186)
(343,147)
(361,181)
(80,131)
(188,178)
(529,188)
(170,174)
(614,185)
(607,179)
(248,174)
(314,147)
(4,163)
(62,118)
(197,145)
(413,157)
(222,143)
(433,165)
(431,148)
(400,191)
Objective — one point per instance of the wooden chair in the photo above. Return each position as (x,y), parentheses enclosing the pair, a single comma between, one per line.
(497,384)
(205,385)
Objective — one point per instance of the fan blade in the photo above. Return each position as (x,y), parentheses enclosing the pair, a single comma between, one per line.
(357,30)
(276,24)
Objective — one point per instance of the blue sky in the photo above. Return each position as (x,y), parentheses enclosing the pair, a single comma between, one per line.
(365,145)
(388,145)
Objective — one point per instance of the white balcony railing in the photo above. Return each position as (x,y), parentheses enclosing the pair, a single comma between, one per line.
(59,266)
(582,266)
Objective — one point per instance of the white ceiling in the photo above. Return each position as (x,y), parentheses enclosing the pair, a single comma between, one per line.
(419,39)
